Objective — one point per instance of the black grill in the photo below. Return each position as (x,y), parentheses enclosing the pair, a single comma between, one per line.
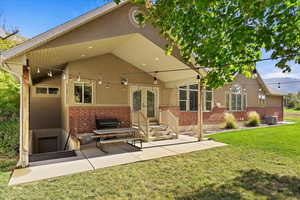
(107,123)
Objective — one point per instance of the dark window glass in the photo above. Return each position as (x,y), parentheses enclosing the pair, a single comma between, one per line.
(78,93)
(193,87)
(41,90)
(182,105)
(193,100)
(150,104)
(238,102)
(182,95)
(53,90)
(208,99)
(233,101)
(208,106)
(137,100)
(88,93)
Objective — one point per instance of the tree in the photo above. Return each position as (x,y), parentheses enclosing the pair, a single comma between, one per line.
(290,100)
(227,36)
(9,88)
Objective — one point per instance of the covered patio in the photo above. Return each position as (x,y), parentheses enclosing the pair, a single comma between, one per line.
(93,67)
(90,158)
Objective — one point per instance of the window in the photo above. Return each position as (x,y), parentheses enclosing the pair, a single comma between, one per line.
(236,99)
(262,98)
(193,97)
(188,98)
(183,98)
(83,93)
(208,96)
(46,91)
(41,90)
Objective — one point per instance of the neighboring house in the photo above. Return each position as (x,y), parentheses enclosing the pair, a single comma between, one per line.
(103,65)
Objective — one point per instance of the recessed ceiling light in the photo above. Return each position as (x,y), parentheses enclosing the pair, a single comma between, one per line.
(90,47)
(157,59)
(144,64)
(82,55)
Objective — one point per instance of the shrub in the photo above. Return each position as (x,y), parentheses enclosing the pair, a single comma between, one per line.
(9,137)
(230,121)
(253,119)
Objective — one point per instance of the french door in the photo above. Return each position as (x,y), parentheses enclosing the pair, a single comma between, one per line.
(145,99)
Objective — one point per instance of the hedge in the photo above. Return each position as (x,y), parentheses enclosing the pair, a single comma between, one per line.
(9,137)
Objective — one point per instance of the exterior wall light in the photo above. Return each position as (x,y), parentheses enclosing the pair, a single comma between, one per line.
(155,82)
(50,74)
(124,81)
(78,78)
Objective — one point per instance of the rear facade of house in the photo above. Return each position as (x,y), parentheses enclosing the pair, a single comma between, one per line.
(103,66)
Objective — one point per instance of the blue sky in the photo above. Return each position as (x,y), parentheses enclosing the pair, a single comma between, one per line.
(33,17)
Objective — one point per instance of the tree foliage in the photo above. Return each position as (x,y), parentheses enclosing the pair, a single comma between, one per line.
(9,88)
(227,36)
(293,101)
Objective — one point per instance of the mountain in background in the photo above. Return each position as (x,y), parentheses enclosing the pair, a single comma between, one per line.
(287,85)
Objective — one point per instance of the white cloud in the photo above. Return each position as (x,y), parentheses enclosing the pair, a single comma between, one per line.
(281,75)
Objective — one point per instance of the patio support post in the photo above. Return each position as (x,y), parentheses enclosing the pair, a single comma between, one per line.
(200,111)
(24,142)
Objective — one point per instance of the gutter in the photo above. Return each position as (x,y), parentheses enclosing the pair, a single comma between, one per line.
(19,77)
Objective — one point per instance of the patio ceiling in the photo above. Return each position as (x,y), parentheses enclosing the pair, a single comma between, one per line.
(133,48)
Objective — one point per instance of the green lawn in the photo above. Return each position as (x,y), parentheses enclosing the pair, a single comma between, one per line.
(257,164)
(291,111)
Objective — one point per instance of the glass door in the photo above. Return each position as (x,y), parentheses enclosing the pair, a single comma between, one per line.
(146,100)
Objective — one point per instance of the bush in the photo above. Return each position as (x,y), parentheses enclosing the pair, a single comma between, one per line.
(253,119)
(9,137)
(230,121)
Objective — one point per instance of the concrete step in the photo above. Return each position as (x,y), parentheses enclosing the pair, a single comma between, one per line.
(51,155)
(159,133)
(191,133)
(153,122)
(158,127)
(164,137)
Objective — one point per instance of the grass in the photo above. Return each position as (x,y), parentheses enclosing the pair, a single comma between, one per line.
(291,111)
(257,164)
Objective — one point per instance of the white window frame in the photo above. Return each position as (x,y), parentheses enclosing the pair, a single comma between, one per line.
(212,100)
(262,99)
(186,98)
(83,82)
(244,100)
(35,94)
(187,101)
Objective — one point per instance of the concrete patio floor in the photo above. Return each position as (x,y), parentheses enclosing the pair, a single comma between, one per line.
(91,158)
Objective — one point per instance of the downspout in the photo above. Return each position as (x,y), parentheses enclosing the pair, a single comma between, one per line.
(21,148)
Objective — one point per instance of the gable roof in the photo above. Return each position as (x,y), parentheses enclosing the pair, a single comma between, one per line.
(59,30)
(270,90)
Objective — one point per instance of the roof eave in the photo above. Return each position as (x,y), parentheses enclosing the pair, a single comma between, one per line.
(59,30)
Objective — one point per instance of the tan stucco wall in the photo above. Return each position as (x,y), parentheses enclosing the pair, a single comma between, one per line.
(113,24)
(252,86)
(274,100)
(45,112)
(110,67)
(252,89)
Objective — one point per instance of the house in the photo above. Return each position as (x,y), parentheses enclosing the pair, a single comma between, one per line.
(104,64)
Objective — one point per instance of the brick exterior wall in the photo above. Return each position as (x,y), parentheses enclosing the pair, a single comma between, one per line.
(216,116)
(82,118)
